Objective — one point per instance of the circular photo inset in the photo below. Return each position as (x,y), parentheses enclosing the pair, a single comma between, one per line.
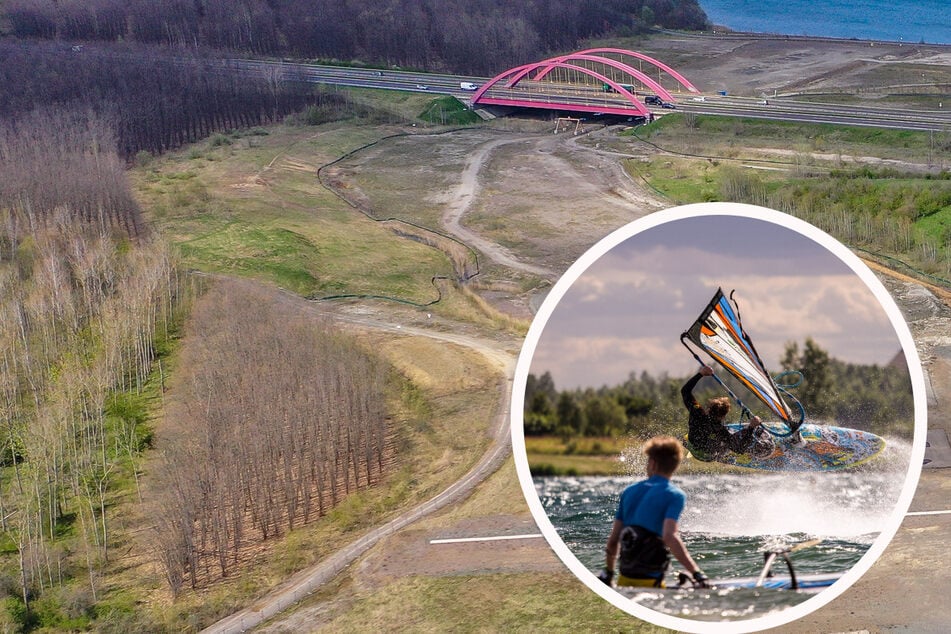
(718,418)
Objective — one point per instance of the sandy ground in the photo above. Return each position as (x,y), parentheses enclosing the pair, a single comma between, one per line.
(763,66)
(533,203)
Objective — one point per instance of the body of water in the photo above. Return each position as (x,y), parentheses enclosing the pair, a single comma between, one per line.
(894,20)
(728,524)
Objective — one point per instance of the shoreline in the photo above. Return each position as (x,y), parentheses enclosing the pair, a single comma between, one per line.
(724,32)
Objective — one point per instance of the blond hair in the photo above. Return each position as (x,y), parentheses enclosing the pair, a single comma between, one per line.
(665,451)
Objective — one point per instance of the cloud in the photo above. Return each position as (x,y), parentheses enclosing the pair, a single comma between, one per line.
(626,311)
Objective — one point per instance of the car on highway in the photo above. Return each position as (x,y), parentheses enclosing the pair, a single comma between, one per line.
(668,105)
(421,87)
(653,100)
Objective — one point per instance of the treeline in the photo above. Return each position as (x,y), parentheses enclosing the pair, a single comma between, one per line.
(277,417)
(870,397)
(470,36)
(61,167)
(151,99)
(86,296)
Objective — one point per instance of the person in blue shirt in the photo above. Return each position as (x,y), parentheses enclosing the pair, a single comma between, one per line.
(645,532)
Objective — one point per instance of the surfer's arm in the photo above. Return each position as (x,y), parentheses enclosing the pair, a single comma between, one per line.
(676,545)
(614,544)
(687,391)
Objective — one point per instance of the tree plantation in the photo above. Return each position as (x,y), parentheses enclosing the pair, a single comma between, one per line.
(268,420)
(85,297)
(480,36)
(276,419)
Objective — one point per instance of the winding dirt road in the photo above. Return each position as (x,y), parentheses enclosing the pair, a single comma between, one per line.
(460,203)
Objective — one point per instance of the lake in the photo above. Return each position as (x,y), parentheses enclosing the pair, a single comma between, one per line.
(893,20)
(730,521)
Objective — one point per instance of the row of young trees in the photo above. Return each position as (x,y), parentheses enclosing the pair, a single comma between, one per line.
(883,210)
(61,167)
(471,36)
(277,418)
(151,99)
(83,291)
(870,397)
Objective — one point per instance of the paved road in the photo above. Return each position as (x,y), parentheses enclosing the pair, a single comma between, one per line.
(594,99)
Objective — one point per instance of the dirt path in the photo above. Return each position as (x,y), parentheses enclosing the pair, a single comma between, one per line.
(462,199)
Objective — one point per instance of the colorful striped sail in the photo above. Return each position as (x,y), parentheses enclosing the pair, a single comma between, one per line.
(720,334)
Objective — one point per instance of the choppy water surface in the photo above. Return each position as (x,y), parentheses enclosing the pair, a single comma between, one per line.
(728,523)
(895,20)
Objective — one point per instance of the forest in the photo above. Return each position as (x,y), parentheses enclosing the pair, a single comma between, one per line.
(470,36)
(89,298)
(269,428)
(869,397)
(91,305)
(151,99)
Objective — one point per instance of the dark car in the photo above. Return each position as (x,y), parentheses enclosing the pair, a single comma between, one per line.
(668,105)
(653,100)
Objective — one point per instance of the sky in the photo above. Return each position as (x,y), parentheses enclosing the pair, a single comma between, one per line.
(626,311)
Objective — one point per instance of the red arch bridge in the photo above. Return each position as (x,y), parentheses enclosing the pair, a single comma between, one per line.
(601,80)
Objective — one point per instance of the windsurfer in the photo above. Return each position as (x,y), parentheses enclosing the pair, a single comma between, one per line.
(707,432)
(645,528)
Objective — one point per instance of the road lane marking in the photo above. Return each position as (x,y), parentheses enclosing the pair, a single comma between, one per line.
(948,512)
(460,540)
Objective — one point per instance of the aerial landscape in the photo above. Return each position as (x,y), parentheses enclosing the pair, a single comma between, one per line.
(267,269)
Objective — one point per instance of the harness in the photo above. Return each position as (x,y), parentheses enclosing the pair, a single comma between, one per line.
(643,554)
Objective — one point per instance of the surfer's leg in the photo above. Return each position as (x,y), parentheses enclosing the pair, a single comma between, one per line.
(742,441)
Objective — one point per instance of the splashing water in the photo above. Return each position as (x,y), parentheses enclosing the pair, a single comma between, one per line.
(731,519)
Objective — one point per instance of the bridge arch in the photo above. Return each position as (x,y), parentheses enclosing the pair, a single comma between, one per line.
(548,65)
(519,72)
(650,60)
(611,67)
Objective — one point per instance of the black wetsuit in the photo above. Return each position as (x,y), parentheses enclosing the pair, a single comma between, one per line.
(708,434)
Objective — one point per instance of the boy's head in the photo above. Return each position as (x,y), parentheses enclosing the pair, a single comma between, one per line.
(666,452)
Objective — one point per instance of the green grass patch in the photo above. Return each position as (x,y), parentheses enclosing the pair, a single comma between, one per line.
(729,136)
(568,465)
(491,603)
(448,111)
(258,211)
(582,446)
(276,254)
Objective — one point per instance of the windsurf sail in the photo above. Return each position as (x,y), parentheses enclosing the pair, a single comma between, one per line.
(719,332)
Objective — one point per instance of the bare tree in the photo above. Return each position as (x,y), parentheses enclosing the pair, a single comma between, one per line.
(273,426)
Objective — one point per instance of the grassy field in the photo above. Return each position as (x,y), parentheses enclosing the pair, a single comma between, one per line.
(487,603)
(254,208)
(523,602)
(820,173)
(552,456)
(251,205)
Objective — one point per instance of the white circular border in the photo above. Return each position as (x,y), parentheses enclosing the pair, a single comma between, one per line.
(524,365)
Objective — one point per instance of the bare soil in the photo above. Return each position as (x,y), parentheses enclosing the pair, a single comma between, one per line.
(767,65)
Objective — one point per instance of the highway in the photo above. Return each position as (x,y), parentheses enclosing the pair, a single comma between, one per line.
(592,99)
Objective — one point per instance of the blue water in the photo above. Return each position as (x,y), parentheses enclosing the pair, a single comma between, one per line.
(894,20)
(729,521)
